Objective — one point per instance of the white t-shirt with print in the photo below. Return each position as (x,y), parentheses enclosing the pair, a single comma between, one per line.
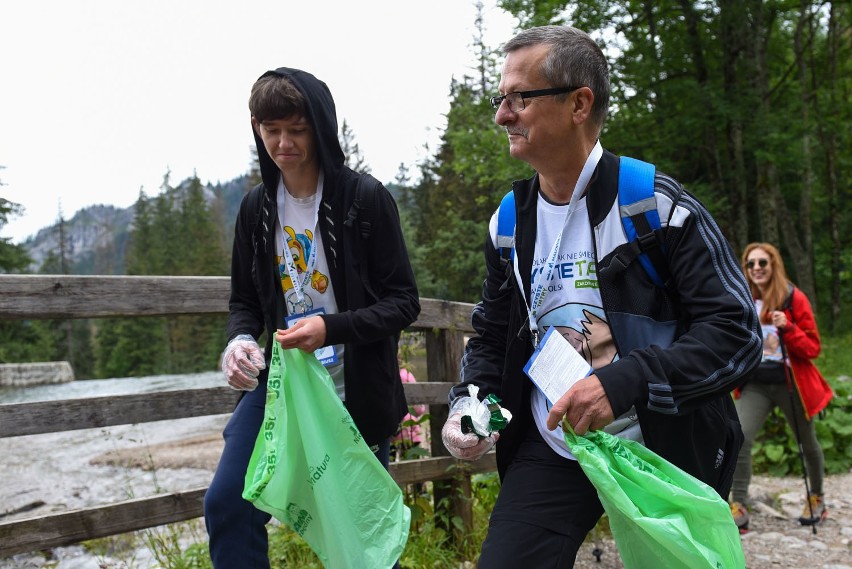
(572,304)
(300,232)
(771,340)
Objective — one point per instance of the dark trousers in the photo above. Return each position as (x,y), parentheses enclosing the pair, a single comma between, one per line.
(545,508)
(236,529)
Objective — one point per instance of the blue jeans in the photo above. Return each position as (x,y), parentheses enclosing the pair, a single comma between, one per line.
(236,529)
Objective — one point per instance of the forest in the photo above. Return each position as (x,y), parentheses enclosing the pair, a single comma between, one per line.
(746,103)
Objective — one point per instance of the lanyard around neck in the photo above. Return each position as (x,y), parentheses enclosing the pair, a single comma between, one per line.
(539,292)
(293,272)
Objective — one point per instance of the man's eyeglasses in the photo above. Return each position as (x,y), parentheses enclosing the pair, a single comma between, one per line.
(516,99)
(761,262)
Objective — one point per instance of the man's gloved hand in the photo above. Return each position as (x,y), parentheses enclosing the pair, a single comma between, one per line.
(242,361)
(464,446)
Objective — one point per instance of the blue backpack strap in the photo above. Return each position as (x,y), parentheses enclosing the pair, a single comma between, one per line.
(640,218)
(506,226)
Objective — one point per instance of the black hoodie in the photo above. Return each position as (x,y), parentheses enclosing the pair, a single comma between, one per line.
(321,114)
(370,315)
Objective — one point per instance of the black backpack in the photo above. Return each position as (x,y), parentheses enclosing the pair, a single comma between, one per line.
(362,215)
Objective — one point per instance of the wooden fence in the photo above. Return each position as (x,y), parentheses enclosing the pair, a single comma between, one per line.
(67,297)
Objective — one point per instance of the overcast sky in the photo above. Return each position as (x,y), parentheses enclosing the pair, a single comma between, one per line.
(100,98)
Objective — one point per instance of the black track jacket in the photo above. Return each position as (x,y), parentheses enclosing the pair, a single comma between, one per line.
(682,348)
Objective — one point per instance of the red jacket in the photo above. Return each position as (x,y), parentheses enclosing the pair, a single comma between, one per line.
(801,339)
(802,344)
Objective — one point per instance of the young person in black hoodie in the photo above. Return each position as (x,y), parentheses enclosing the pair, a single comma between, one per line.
(305,273)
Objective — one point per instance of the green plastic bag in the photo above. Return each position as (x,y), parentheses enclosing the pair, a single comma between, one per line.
(312,470)
(659,515)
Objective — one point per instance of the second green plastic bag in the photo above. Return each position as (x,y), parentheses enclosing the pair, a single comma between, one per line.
(312,470)
(659,515)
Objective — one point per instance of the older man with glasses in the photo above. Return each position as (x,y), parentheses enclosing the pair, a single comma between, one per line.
(665,357)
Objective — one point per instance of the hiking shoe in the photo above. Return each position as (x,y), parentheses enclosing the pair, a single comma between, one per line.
(740,515)
(813,512)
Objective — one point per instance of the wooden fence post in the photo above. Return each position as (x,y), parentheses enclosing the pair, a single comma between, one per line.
(443,352)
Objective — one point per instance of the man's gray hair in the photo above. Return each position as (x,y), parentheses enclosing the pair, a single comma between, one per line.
(574,59)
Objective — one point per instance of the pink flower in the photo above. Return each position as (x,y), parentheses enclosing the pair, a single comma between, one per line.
(410,433)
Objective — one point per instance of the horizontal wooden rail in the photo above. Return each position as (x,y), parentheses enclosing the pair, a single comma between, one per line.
(18,419)
(67,528)
(39,417)
(73,296)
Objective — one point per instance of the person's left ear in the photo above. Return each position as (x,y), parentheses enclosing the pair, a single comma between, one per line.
(583,99)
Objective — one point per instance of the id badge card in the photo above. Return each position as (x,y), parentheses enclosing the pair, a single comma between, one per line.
(556,366)
(326,355)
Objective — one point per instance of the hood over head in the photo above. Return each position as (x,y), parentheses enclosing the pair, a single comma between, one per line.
(321,113)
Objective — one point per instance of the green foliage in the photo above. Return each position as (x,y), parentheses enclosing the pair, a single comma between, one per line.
(58,340)
(458,192)
(67,340)
(451,251)
(354,158)
(17,339)
(459,189)
(534,12)
(429,546)
(174,233)
(835,358)
(23,341)
(118,546)
(13,258)
(193,556)
(288,549)
(746,104)
(34,340)
(830,317)
(130,347)
(775,450)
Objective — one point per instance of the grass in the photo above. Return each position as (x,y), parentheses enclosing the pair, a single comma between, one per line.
(835,360)
(429,546)
(184,545)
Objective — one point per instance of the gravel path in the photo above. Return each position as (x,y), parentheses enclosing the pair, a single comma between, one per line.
(775,539)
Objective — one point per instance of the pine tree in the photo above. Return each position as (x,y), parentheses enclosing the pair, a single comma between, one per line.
(132,347)
(461,186)
(13,258)
(19,340)
(354,158)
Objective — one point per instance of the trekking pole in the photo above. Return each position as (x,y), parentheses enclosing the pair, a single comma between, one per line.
(796,429)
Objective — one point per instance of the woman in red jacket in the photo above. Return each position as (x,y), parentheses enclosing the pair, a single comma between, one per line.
(786,377)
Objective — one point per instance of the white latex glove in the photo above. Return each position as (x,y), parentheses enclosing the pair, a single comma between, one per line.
(242,361)
(464,446)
